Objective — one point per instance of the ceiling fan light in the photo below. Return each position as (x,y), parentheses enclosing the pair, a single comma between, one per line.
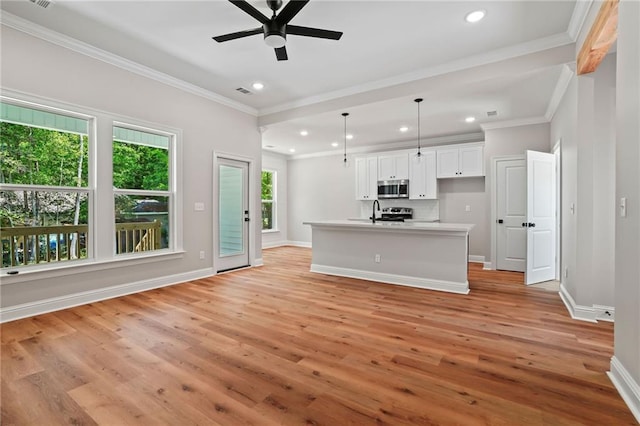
(275,40)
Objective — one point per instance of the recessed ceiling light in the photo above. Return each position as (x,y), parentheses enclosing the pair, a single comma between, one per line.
(475,16)
(470,119)
(334,144)
(304,133)
(257,85)
(404,129)
(349,137)
(292,150)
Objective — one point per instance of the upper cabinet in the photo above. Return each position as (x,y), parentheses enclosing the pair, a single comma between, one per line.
(393,166)
(422,176)
(464,160)
(366,178)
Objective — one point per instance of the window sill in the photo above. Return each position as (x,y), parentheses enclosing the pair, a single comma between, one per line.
(270,231)
(84,266)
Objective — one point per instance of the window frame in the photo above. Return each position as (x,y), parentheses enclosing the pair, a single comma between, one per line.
(101,221)
(90,189)
(274,216)
(169,193)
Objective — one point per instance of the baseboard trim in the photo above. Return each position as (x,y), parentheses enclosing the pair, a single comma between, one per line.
(488,266)
(305,244)
(626,386)
(578,312)
(40,307)
(476,259)
(258,262)
(605,313)
(448,286)
(274,244)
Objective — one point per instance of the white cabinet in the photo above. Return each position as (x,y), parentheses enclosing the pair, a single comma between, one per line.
(395,166)
(460,161)
(366,178)
(422,176)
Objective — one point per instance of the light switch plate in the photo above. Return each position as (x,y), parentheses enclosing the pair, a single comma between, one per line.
(199,207)
(623,207)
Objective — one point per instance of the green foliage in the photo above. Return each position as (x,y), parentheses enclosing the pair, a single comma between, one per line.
(267,199)
(34,156)
(267,185)
(140,167)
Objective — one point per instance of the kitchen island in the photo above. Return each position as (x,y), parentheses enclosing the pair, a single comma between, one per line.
(417,254)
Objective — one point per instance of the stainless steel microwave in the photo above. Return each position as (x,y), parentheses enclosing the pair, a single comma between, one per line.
(393,188)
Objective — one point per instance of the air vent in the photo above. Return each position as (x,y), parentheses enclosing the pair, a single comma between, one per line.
(492,113)
(244,91)
(42,3)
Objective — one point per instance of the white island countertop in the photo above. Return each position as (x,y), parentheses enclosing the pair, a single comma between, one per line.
(394,226)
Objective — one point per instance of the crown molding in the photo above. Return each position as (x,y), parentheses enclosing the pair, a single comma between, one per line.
(580,12)
(86,49)
(472,61)
(564,79)
(513,123)
(392,146)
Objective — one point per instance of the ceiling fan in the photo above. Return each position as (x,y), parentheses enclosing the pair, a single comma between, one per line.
(276,28)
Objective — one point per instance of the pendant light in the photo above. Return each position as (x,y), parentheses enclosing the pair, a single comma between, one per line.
(417,101)
(345,115)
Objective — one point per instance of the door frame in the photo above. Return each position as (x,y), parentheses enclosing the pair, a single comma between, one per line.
(253,207)
(557,151)
(494,206)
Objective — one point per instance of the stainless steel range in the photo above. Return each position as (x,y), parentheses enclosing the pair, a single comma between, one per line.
(396,214)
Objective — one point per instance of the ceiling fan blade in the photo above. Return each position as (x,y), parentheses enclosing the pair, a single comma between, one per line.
(281,53)
(313,32)
(239,34)
(290,10)
(242,4)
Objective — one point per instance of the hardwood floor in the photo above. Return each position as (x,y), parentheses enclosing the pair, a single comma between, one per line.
(280,345)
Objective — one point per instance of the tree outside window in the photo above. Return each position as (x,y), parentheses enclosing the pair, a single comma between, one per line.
(268,200)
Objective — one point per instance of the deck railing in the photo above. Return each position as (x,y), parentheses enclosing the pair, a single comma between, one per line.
(26,245)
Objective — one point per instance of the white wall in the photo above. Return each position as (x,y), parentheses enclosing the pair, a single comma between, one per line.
(277,163)
(31,65)
(627,232)
(563,129)
(457,193)
(319,188)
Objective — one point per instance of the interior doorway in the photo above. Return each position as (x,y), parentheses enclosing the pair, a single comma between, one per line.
(524,225)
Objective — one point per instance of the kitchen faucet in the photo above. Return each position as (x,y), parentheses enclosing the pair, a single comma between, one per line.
(373,215)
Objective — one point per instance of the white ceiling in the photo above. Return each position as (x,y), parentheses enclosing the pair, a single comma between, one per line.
(391,52)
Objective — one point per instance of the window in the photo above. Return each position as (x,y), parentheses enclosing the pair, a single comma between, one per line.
(268,200)
(142,189)
(44,185)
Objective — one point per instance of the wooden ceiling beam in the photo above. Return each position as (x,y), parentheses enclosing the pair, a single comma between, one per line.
(602,35)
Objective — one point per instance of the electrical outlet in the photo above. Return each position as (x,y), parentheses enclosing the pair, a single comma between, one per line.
(201,254)
(467,208)
(377,258)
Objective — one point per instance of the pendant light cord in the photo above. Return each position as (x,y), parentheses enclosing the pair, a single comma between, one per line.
(418,100)
(345,114)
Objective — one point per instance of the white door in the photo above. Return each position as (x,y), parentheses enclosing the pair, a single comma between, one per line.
(511,209)
(541,217)
(233,214)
